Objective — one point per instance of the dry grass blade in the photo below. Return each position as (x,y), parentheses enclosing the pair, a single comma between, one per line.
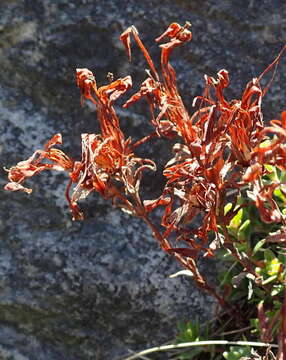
(198,343)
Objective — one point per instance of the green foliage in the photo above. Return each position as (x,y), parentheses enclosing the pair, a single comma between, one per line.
(237,352)
(259,296)
(193,331)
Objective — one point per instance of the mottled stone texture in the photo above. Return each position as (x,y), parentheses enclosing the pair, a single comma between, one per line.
(95,289)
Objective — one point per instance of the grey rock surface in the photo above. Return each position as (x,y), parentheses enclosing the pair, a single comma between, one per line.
(95,289)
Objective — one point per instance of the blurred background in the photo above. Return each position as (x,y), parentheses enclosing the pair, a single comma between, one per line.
(98,289)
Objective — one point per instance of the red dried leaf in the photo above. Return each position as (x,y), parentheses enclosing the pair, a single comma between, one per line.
(35,164)
(268,209)
(85,80)
(178,35)
(13,186)
(55,140)
(150,205)
(191,253)
(125,38)
(149,87)
(115,89)
(252,173)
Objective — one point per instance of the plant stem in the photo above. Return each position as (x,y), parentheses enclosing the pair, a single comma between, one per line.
(282,334)
(237,331)
(188,264)
(228,244)
(144,139)
(198,343)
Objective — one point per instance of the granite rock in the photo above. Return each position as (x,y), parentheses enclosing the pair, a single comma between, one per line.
(95,289)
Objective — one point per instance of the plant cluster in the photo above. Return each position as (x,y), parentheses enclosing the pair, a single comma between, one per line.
(227,175)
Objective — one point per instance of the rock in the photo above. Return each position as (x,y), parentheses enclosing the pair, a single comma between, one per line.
(95,289)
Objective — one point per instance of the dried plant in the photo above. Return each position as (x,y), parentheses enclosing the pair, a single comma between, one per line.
(221,157)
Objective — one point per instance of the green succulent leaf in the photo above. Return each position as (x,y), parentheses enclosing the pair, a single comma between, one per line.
(236,220)
(269,280)
(258,246)
(237,352)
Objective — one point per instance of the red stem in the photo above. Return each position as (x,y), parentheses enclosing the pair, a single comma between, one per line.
(190,265)
(143,140)
(282,334)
